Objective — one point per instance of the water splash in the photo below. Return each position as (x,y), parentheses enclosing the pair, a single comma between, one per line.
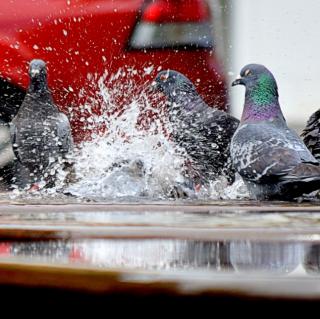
(133,157)
(129,154)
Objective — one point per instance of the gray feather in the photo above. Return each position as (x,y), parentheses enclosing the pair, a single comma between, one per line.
(311,134)
(41,134)
(270,157)
(203,132)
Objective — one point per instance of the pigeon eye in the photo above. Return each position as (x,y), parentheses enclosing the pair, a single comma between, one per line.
(247,72)
(163,77)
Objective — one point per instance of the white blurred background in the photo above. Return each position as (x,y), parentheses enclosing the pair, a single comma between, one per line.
(282,35)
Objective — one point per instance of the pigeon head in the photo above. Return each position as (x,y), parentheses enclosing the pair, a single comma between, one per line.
(260,83)
(38,75)
(173,85)
(262,98)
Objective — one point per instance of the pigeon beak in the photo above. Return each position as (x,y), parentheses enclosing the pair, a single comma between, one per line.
(34,72)
(238,81)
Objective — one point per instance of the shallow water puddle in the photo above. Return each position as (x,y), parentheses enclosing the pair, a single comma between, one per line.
(249,247)
(280,258)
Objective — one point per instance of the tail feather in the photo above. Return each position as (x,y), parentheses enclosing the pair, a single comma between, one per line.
(303,179)
(297,188)
(311,134)
(303,172)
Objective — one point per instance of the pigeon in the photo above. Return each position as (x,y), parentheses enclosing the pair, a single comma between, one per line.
(203,133)
(271,158)
(40,133)
(311,134)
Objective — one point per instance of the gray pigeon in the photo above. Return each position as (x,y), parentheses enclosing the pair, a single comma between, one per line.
(311,134)
(41,134)
(203,132)
(271,158)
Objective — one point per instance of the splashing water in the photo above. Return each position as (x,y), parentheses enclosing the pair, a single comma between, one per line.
(127,160)
(130,155)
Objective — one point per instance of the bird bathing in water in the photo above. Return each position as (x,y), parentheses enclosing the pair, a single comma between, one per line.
(41,134)
(204,133)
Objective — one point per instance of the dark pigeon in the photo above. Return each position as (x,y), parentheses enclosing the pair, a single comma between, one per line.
(311,135)
(41,134)
(202,132)
(271,158)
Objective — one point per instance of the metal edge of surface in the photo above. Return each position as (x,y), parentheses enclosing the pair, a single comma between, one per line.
(160,207)
(109,281)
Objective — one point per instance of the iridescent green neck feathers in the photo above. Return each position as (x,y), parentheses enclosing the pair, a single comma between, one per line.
(264,91)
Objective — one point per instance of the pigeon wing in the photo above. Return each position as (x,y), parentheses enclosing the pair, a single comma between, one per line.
(264,154)
(13,134)
(219,124)
(64,133)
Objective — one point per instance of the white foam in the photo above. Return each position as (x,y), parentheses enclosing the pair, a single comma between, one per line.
(107,166)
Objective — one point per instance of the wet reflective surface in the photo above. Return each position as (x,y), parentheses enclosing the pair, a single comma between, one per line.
(272,249)
(219,214)
(238,257)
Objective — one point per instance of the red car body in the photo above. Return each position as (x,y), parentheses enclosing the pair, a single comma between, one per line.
(81,37)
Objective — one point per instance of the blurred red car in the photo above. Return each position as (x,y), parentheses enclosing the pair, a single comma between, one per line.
(78,38)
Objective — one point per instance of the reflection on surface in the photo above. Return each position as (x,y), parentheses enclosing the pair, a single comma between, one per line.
(145,254)
(280,258)
(312,259)
(50,251)
(156,254)
(265,256)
